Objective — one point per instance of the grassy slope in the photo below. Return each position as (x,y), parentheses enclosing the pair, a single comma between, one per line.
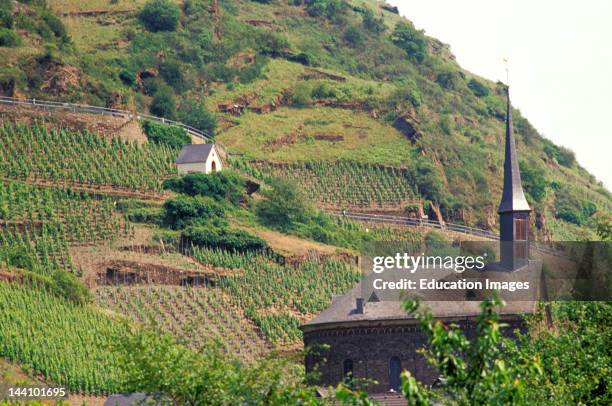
(458,134)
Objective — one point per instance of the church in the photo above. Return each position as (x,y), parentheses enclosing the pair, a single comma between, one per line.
(362,337)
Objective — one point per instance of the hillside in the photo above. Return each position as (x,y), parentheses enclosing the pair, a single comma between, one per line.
(322,105)
(306,81)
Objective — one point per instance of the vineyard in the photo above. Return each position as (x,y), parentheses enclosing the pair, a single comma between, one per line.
(82,158)
(275,297)
(68,344)
(341,184)
(193,315)
(44,222)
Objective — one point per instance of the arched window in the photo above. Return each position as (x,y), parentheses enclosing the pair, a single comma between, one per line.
(347,371)
(213,167)
(395,368)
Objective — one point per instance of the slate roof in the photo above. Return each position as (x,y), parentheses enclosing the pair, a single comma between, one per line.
(194,153)
(513,197)
(343,309)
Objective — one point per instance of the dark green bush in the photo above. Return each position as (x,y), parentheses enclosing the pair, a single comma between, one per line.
(479,89)
(9,38)
(172,136)
(20,257)
(164,104)
(224,238)
(426,177)
(223,185)
(194,114)
(56,26)
(284,205)
(354,37)
(571,209)
(449,79)
(67,285)
(372,23)
(534,181)
(182,211)
(150,215)
(6,14)
(411,40)
(160,15)
(562,155)
(171,72)
(331,9)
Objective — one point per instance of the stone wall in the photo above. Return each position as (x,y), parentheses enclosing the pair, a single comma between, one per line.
(371,348)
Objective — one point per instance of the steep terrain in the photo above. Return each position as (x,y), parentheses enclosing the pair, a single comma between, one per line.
(318,80)
(346,99)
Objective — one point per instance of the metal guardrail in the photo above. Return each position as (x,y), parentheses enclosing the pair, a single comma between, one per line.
(84,108)
(413,222)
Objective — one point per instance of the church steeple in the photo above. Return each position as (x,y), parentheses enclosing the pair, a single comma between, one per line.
(513,208)
(513,197)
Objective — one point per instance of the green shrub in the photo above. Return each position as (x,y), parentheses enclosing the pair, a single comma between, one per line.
(68,286)
(331,9)
(302,94)
(479,89)
(174,137)
(56,26)
(562,155)
(223,185)
(223,238)
(372,23)
(272,44)
(9,38)
(354,37)
(411,40)
(426,177)
(194,114)
(534,181)
(284,205)
(182,211)
(164,104)
(150,215)
(448,80)
(171,72)
(6,14)
(21,258)
(160,15)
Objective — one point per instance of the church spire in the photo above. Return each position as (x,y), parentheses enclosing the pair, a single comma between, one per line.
(513,197)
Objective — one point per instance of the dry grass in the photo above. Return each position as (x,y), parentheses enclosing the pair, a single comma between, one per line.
(291,134)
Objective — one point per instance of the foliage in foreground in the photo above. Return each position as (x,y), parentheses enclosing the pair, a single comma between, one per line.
(156,364)
(567,365)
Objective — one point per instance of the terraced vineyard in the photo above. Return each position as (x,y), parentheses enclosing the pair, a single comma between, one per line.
(275,297)
(82,158)
(194,315)
(43,222)
(341,185)
(68,344)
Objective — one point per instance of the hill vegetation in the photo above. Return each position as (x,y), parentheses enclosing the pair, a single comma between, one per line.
(298,82)
(131,278)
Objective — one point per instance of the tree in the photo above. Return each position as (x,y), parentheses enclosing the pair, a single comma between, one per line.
(472,372)
(174,137)
(164,104)
(411,40)
(223,185)
(194,114)
(160,15)
(182,211)
(284,205)
(354,37)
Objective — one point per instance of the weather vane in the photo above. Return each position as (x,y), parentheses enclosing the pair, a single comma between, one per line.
(507,71)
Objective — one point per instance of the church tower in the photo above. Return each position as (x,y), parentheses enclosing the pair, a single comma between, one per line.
(513,208)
